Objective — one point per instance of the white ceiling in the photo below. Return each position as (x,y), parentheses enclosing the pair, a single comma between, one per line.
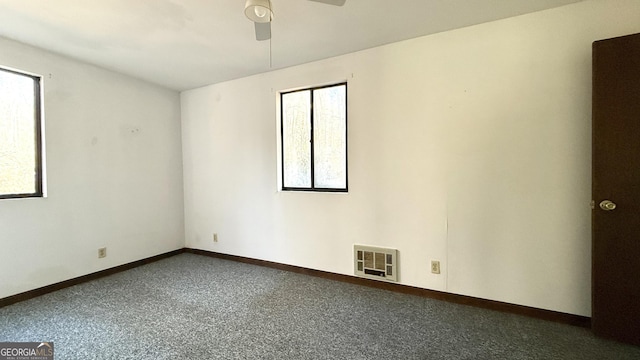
(184,44)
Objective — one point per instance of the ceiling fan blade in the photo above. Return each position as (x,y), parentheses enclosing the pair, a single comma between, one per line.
(331,2)
(263,31)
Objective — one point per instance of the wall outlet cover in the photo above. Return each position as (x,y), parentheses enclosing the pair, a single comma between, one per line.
(435,267)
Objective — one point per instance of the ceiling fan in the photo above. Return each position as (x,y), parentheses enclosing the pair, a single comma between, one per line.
(261,13)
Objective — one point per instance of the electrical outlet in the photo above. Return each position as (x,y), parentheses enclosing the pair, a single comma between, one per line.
(215,237)
(435,267)
(102,252)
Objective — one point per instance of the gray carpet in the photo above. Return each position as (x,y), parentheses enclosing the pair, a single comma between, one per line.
(195,307)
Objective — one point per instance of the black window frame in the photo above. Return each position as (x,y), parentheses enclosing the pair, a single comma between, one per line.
(313,188)
(37,123)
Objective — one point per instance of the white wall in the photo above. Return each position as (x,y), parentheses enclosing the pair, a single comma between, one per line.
(114,169)
(471,147)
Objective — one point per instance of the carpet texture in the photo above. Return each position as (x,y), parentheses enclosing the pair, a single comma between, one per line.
(195,307)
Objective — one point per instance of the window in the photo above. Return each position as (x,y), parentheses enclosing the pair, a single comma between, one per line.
(314,139)
(20,134)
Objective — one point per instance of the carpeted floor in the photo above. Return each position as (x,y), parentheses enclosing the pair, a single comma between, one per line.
(195,307)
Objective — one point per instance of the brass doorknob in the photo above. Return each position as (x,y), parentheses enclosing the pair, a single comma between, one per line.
(607,205)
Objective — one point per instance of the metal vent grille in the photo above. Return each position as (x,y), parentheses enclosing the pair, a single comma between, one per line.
(375,262)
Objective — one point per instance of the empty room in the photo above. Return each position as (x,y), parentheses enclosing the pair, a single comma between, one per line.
(319,179)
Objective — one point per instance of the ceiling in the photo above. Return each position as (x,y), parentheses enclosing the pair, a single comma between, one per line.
(184,44)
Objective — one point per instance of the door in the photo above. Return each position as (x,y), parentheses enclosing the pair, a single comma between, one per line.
(616,189)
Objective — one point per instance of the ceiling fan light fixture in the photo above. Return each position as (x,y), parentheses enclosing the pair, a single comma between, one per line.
(258,11)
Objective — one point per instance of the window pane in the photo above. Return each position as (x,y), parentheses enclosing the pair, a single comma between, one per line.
(296,141)
(17,134)
(330,137)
